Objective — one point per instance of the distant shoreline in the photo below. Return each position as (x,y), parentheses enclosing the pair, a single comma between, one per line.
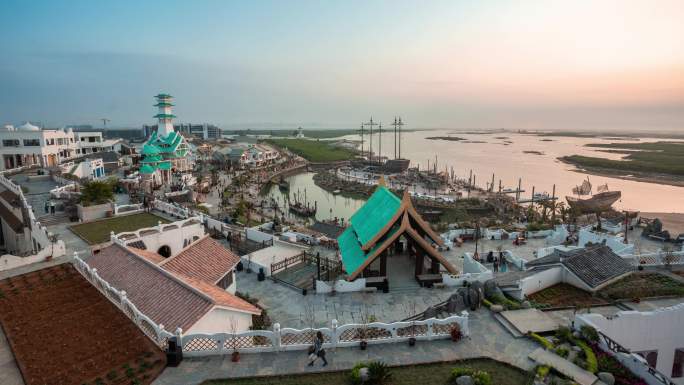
(633,176)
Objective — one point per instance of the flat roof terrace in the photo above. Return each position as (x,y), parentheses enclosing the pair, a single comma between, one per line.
(62,330)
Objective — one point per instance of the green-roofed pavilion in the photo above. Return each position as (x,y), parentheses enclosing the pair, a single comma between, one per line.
(386,225)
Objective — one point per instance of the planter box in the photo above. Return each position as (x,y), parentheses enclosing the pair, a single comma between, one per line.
(91,213)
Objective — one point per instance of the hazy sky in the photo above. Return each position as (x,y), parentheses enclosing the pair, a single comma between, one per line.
(522,64)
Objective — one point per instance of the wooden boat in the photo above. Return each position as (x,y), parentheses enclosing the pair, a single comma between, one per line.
(596,203)
(301,210)
(283,185)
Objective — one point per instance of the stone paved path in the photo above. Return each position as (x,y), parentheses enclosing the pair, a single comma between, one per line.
(9,372)
(487,339)
(564,366)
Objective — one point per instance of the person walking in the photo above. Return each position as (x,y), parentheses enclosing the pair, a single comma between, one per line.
(52,207)
(496,264)
(318,351)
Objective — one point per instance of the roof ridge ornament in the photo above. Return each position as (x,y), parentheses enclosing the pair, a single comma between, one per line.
(381,181)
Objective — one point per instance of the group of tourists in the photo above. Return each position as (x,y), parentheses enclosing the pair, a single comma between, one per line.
(498,262)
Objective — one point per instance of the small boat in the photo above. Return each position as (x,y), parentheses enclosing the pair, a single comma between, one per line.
(595,203)
(302,211)
(336,192)
(283,185)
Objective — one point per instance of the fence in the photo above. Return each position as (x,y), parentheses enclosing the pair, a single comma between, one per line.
(128,209)
(661,258)
(257,341)
(118,297)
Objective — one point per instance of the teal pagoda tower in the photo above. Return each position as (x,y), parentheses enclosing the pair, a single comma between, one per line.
(165,151)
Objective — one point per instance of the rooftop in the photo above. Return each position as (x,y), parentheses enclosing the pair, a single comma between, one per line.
(205,260)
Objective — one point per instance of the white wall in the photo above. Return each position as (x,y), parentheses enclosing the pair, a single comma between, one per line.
(615,243)
(539,281)
(218,321)
(661,330)
(257,236)
(341,286)
(173,238)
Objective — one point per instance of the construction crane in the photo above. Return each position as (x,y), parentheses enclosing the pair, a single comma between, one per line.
(104,121)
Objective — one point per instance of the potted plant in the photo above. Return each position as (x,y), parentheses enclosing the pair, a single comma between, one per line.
(455,332)
(235,357)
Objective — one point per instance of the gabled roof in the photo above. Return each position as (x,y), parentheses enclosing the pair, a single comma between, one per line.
(374,214)
(594,265)
(173,300)
(205,259)
(382,221)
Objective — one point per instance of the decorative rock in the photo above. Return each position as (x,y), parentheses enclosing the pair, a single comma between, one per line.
(606,377)
(526,305)
(363,374)
(496,308)
(491,289)
(465,380)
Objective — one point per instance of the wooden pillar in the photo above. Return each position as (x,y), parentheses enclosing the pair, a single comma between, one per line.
(419,262)
(383,264)
(434,266)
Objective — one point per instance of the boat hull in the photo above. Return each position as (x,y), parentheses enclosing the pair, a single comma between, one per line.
(597,203)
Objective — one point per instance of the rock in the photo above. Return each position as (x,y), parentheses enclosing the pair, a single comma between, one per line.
(455,304)
(496,308)
(491,289)
(474,299)
(606,377)
(430,313)
(577,349)
(526,304)
(363,374)
(465,380)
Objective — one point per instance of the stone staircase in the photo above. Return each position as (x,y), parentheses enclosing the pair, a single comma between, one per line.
(50,220)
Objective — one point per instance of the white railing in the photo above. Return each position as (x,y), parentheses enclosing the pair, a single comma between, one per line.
(63,191)
(256,341)
(348,335)
(128,209)
(122,238)
(118,297)
(171,209)
(660,258)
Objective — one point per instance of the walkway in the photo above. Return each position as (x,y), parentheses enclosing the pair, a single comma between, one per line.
(9,372)
(564,366)
(488,339)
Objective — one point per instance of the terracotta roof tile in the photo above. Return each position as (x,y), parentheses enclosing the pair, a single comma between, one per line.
(149,255)
(206,260)
(220,296)
(156,294)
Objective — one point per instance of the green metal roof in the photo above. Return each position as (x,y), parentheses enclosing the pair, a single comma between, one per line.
(164,116)
(164,166)
(150,149)
(163,96)
(374,214)
(146,169)
(350,249)
(163,104)
(152,159)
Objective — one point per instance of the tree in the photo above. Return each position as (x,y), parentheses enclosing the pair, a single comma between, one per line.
(97,192)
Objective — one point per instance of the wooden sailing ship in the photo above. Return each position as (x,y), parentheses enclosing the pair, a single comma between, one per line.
(302,207)
(595,203)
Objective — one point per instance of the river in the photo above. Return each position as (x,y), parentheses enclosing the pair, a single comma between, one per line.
(503,155)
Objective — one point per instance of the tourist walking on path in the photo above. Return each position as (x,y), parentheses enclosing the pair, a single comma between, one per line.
(496,264)
(318,351)
(52,207)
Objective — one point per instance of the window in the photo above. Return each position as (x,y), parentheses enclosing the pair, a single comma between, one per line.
(10,143)
(32,142)
(226,281)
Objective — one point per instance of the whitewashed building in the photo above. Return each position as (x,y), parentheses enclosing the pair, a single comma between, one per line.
(29,145)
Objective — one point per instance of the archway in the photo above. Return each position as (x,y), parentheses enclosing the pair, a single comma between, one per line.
(164,251)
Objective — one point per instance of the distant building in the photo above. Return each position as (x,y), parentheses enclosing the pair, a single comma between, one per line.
(28,145)
(300,133)
(166,150)
(203,131)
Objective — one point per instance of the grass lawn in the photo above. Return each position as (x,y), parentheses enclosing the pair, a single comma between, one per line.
(433,374)
(643,285)
(563,294)
(314,151)
(98,231)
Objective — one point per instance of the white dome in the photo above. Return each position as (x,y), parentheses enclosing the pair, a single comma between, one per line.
(8,127)
(28,127)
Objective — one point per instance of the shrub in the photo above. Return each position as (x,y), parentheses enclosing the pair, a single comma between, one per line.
(487,303)
(564,334)
(563,352)
(592,364)
(541,340)
(542,371)
(479,377)
(589,333)
(378,373)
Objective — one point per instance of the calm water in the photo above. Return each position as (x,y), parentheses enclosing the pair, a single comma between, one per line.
(508,163)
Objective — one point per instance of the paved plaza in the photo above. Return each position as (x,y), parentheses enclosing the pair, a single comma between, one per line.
(488,339)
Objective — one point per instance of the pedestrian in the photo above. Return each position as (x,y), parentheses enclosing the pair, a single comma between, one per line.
(52,207)
(318,351)
(503,265)
(496,264)
(47,207)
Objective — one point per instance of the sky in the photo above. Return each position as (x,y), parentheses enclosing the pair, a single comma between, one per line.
(581,64)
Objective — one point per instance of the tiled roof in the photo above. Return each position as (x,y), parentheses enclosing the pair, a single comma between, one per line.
(594,265)
(149,255)
(205,260)
(138,245)
(220,296)
(155,293)
(328,229)
(11,198)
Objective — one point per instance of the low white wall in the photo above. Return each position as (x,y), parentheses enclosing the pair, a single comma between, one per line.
(91,213)
(472,266)
(174,234)
(341,286)
(660,330)
(257,236)
(615,243)
(9,261)
(458,280)
(219,321)
(539,281)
